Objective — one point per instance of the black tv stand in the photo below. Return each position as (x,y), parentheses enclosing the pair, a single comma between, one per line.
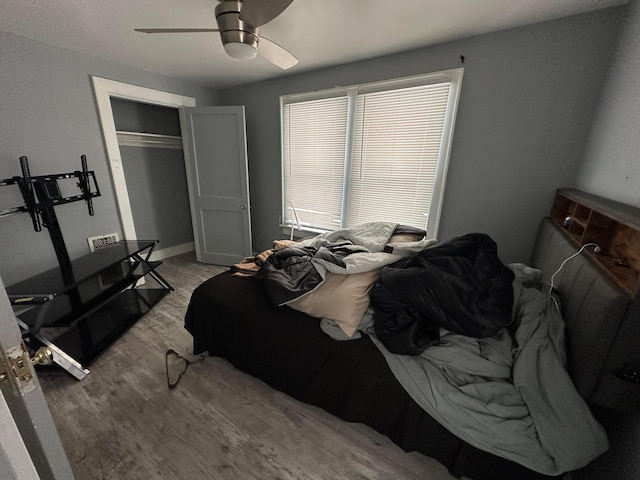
(84,305)
(41,194)
(79,320)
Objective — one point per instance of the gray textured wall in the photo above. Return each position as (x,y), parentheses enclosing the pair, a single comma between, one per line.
(130,116)
(611,166)
(527,102)
(157,185)
(48,113)
(156,177)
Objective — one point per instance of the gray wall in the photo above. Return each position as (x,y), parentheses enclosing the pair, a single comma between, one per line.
(130,116)
(611,168)
(156,177)
(157,185)
(48,113)
(527,102)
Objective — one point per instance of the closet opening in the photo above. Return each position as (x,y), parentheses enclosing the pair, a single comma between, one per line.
(150,144)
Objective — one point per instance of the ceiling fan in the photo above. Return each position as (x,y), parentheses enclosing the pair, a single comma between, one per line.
(239,23)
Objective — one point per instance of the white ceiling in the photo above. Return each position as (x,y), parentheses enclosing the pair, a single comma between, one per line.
(319,32)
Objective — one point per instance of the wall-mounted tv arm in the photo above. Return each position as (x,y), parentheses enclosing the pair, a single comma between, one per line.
(42,194)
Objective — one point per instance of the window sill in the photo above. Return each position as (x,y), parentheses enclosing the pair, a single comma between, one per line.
(301,234)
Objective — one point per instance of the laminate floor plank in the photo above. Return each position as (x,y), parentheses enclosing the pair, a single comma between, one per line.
(122,422)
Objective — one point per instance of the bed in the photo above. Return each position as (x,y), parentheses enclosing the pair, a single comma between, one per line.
(355,378)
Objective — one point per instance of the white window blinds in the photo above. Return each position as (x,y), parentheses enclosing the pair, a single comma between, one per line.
(376,152)
(396,148)
(314,135)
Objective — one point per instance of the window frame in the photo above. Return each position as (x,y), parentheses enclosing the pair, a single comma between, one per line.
(453,76)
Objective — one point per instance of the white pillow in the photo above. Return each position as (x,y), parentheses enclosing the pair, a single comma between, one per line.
(341,298)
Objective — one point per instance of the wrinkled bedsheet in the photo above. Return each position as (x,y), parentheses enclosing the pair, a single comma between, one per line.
(290,273)
(509,394)
(506,392)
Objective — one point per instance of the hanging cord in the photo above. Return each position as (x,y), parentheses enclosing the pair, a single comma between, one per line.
(596,248)
(187,363)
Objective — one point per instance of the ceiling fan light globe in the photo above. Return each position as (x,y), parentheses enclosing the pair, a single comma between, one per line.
(241,51)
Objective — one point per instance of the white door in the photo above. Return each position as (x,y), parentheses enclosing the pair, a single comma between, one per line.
(214,143)
(29,442)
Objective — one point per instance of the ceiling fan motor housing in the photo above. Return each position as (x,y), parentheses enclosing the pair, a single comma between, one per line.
(239,39)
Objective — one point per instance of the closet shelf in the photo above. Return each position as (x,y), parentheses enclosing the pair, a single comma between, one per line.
(154,140)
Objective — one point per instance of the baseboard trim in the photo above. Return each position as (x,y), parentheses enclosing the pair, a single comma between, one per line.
(172,251)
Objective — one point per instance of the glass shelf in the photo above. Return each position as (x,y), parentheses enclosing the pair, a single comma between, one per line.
(74,304)
(80,318)
(51,283)
(86,340)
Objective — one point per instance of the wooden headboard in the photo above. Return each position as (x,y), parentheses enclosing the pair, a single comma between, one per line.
(601,313)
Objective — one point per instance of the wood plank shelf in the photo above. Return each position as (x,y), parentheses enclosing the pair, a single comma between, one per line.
(613,226)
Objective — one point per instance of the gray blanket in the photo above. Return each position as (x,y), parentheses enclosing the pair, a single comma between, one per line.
(509,394)
(293,272)
(374,238)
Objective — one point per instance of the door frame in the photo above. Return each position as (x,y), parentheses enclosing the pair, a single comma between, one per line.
(104,89)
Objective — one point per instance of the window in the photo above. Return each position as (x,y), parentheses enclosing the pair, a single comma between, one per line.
(374,152)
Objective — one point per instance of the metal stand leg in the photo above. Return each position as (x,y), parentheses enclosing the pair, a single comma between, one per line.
(60,358)
(153,274)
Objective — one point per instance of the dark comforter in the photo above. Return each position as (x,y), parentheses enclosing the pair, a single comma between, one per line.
(461,286)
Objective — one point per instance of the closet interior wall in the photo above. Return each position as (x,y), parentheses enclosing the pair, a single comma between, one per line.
(150,144)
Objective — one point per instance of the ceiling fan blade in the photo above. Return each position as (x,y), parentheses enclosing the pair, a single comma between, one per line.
(276,54)
(175,30)
(258,12)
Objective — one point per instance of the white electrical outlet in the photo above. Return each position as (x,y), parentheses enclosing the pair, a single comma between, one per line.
(102,241)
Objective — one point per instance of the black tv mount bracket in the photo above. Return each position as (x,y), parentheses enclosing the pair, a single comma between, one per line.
(42,193)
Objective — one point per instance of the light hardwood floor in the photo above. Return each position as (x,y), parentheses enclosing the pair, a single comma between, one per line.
(122,422)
